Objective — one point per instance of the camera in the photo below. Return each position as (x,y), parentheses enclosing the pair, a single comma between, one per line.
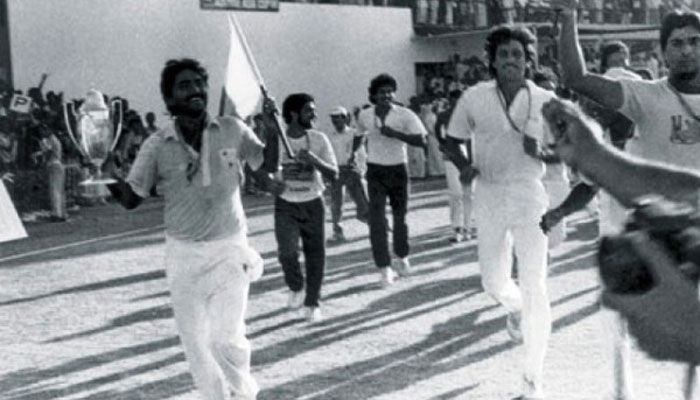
(675,226)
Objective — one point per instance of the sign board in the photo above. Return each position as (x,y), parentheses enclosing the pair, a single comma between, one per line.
(21,104)
(240,5)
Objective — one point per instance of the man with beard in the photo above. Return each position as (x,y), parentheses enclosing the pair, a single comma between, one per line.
(503,120)
(389,128)
(666,112)
(195,158)
(299,209)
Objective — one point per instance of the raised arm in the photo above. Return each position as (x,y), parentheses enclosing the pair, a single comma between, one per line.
(607,92)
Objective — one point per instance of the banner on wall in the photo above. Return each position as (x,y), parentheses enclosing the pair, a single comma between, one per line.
(240,5)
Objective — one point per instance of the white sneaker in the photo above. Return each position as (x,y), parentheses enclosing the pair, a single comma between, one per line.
(295,299)
(532,390)
(313,314)
(386,277)
(403,266)
(513,327)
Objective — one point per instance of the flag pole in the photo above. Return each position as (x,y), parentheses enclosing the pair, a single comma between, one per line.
(263,89)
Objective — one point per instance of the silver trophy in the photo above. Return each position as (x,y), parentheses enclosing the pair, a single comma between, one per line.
(96,137)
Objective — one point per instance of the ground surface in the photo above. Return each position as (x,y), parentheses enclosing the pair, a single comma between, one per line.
(84,314)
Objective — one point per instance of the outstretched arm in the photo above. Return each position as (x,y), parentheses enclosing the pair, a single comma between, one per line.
(626,178)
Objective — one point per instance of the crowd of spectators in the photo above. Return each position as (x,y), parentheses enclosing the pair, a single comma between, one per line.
(25,154)
(476,14)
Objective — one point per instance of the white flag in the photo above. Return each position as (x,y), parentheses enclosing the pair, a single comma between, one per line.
(242,87)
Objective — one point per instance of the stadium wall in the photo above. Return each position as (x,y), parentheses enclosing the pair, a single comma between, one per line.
(119,47)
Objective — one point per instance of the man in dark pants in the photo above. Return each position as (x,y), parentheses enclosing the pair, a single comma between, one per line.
(389,128)
(299,209)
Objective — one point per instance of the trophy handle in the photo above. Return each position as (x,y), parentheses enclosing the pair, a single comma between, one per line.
(71,134)
(117,103)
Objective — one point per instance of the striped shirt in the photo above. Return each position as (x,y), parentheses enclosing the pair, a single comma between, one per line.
(202,196)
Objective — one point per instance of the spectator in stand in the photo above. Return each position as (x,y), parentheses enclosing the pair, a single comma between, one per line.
(8,147)
(653,12)
(434,9)
(421,12)
(480,14)
(151,127)
(52,151)
(507,8)
(463,14)
(449,12)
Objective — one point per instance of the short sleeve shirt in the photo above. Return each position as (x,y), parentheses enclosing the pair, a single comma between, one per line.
(383,150)
(303,181)
(202,197)
(342,143)
(497,147)
(667,132)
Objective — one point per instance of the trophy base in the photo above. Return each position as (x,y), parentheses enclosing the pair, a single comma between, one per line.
(100,181)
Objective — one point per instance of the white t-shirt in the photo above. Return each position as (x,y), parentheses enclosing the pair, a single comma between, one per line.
(383,150)
(613,215)
(304,182)
(342,143)
(497,147)
(666,131)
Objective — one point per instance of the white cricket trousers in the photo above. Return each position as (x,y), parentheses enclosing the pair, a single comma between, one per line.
(459,198)
(209,292)
(557,192)
(507,218)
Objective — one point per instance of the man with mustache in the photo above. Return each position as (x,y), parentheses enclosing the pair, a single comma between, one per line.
(196,161)
(502,119)
(299,209)
(389,127)
(666,114)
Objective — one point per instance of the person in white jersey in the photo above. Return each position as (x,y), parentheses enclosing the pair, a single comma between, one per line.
(503,119)
(346,142)
(389,128)
(459,194)
(299,209)
(666,112)
(195,159)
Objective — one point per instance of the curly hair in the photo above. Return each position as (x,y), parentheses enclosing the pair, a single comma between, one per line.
(505,33)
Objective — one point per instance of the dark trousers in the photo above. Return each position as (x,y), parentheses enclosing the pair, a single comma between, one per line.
(387,182)
(353,180)
(303,220)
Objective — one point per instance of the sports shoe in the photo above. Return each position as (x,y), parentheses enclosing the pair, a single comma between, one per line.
(403,266)
(532,390)
(295,299)
(313,314)
(513,327)
(337,237)
(457,237)
(386,276)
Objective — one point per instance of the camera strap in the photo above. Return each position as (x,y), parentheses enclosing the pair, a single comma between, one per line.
(502,99)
